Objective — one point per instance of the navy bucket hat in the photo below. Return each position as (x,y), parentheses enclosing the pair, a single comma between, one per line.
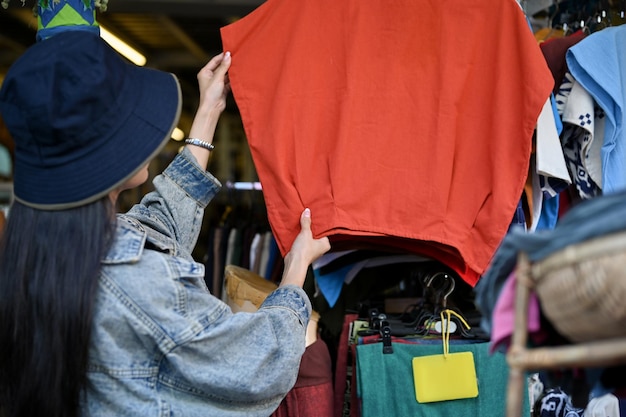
(84,120)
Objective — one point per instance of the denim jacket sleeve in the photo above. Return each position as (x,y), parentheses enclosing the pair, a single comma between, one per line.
(173,213)
(245,361)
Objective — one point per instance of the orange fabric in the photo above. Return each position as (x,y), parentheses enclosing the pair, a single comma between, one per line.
(409,119)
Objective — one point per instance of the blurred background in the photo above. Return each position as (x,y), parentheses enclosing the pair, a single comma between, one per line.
(177,36)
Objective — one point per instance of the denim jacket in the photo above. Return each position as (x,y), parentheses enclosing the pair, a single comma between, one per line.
(162,345)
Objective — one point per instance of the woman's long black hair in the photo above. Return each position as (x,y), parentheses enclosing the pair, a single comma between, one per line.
(49,269)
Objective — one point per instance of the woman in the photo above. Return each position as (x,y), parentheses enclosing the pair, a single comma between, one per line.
(109,315)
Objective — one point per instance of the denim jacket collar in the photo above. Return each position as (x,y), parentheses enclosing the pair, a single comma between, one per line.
(131,239)
(129,242)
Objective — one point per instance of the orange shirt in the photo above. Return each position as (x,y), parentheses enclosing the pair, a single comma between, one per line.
(403,124)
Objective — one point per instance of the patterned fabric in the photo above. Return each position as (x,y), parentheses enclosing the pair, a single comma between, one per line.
(54,16)
(583,120)
(556,403)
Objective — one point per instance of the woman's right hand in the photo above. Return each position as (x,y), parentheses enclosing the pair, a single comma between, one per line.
(304,250)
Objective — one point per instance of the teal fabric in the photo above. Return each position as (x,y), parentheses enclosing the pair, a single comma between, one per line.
(6,166)
(385,383)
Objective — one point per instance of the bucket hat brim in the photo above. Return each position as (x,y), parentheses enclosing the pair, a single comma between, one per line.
(84,120)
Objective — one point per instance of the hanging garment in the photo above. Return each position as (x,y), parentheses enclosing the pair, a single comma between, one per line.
(386,386)
(344,371)
(582,137)
(551,169)
(598,63)
(312,395)
(554,51)
(330,280)
(503,317)
(411,120)
(604,406)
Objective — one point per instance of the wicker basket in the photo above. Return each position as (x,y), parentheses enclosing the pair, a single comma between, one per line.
(582,288)
(245,290)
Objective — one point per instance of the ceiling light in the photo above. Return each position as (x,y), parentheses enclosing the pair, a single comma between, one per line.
(122,47)
(178,134)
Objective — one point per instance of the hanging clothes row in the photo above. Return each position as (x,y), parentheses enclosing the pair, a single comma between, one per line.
(589,98)
(552,18)
(591,94)
(401,136)
(420,362)
(240,236)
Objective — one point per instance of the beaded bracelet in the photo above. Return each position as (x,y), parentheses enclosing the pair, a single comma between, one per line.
(199,142)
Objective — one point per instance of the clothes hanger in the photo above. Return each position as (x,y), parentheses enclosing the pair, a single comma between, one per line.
(457,320)
(430,321)
(408,322)
(438,326)
(551,31)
